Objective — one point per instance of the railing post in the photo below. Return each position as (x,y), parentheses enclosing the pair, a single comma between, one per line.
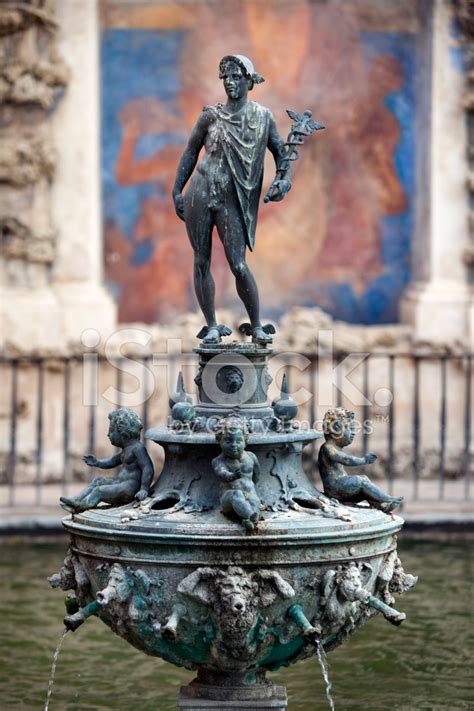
(442,429)
(66,414)
(39,432)
(416,428)
(467,427)
(13,424)
(391,423)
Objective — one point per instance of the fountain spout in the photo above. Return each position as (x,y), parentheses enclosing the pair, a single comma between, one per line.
(390,614)
(170,630)
(72,622)
(311,632)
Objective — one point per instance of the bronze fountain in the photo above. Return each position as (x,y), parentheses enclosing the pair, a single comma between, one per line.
(232,563)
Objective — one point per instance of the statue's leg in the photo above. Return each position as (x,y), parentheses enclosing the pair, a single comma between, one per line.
(115,494)
(199,224)
(374,494)
(241,506)
(75,502)
(232,234)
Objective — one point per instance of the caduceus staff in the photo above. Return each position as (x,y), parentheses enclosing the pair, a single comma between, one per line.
(302,127)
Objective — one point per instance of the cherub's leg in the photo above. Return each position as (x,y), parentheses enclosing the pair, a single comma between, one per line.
(254,502)
(115,494)
(75,502)
(373,494)
(199,224)
(241,506)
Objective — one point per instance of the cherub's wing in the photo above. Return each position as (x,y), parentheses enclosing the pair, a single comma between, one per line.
(315,126)
(293,115)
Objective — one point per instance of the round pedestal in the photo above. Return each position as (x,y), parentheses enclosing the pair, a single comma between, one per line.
(232,693)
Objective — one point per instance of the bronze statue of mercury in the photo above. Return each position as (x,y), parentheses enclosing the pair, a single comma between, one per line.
(224,190)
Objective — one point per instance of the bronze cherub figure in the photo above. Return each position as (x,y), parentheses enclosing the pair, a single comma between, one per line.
(338,428)
(133,481)
(237,471)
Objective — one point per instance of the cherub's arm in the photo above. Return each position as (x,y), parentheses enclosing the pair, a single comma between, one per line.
(256,467)
(338,456)
(146,466)
(221,471)
(109,463)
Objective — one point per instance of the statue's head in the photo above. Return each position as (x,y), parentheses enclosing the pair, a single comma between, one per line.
(339,424)
(125,426)
(238,74)
(232,436)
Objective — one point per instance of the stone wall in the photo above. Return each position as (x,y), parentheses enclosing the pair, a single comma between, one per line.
(48,154)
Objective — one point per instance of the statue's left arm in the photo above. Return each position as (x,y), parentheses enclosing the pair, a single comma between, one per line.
(256,467)
(146,466)
(282,183)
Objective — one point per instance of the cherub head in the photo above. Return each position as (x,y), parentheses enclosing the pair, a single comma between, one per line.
(339,425)
(232,436)
(125,426)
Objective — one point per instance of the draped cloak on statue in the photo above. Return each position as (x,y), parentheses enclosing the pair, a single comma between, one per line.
(241,139)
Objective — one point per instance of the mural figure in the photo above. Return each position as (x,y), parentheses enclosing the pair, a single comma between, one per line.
(338,428)
(135,476)
(224,190)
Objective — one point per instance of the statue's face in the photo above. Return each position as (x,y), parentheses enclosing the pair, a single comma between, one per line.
(348,432)
(236,84)
(343,431)
(115,435)
(118,581)
(233,444)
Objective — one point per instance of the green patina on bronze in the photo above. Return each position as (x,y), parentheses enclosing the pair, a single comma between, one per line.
(233,563)
(181,576)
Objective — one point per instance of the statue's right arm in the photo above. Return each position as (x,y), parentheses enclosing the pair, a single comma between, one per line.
(109,463)
(221,471)
(340,457)
(189,159)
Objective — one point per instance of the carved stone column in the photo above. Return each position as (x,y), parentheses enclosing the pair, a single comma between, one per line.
(437,304)
(50,270)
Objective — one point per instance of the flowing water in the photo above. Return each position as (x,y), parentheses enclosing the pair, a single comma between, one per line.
(323,663)
(424,665)
(53,669)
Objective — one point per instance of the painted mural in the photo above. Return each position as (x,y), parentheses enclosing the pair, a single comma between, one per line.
(341,239)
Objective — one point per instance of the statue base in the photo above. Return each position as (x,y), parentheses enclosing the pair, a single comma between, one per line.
(207,697)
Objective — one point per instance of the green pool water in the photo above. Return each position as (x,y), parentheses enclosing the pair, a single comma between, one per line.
(424,664)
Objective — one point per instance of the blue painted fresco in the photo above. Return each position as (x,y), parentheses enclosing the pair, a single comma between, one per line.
(134,63)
